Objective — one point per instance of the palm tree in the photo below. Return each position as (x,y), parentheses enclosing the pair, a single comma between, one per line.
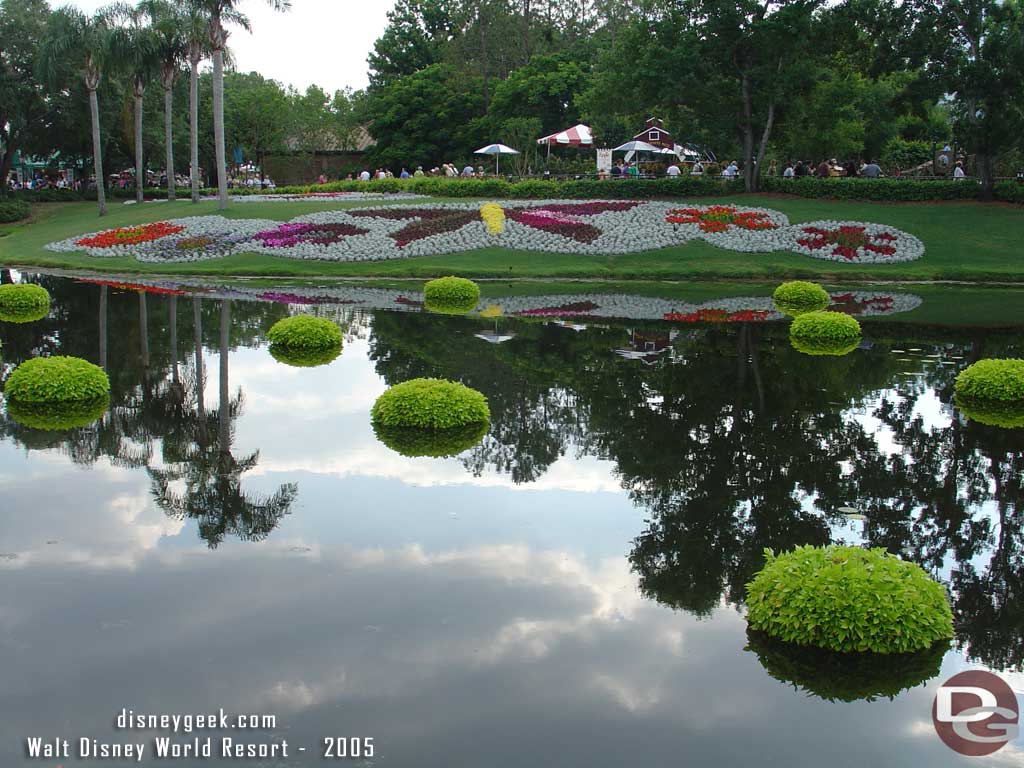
(219,13)
(134,46)
(171,36)
(195,27)
(71,33)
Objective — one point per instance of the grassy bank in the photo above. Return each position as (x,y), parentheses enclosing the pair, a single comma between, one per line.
(963,240)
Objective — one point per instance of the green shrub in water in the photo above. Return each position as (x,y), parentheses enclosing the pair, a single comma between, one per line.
(23,303)
(848,599)
(995,379)
(798,297)
(304,332)
(58,417)
(992,413)
(430,404)
(57,380)
(824,333)
(439,443)
(846,676)
(452,295)
(835,349)
(304,358)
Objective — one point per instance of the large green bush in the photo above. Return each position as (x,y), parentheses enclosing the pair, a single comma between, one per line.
(13,210)
(824,333)
(56,380)
(305,332)
(439,443)
(430,404)
(453,295)
(848,599)
(846,676)
(799,296)
(23,303)
(993,379)
(882,190)
(58,417)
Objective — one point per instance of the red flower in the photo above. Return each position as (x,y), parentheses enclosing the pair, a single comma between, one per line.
(143,233)
(846,240)
(720,218)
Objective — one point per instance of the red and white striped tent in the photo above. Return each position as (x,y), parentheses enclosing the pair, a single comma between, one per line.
(577,136)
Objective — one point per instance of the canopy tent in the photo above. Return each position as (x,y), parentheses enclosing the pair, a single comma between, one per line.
(577,136)
(632,147)
(497,150)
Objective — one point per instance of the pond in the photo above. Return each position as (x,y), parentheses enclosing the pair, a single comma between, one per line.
(232,534)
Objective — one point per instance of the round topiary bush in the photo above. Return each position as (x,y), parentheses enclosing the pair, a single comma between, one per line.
(846,676)
(58,417)
(992,380)
(304,332)
(848,599)
(798,297)
(23,303)
(55,380)
(451,295)
(438,443)
(824,333)
(430,404)
(305,358)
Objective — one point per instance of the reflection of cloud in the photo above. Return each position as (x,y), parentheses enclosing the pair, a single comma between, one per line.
(102,517)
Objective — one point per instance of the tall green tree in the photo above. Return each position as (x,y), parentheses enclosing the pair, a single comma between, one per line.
(219,13)
(170,32)
(72,33)
(978,55)
(135,49)
(23,105)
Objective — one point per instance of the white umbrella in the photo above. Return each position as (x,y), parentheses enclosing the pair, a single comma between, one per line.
(636,146)
(495,337)
(497,150)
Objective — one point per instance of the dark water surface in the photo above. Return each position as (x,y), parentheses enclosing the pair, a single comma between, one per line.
(569,593)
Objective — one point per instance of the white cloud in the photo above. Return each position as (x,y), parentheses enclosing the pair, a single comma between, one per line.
(319,41)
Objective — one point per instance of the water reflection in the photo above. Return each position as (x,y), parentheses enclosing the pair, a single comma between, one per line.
(578,608)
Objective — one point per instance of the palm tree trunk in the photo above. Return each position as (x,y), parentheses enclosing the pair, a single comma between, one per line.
(197,331)
(169,141)
(218,127)
(224,415)
(140,181)
(103,327)
(173,322)
(193,116)
(144,335)
(97,152)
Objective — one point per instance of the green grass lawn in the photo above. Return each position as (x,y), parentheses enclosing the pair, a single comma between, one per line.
(963,240)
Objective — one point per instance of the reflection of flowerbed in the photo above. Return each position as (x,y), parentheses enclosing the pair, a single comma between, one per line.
(140,287)
(594,227)
(130,235)
(292,234)
(719,316)
(571,309)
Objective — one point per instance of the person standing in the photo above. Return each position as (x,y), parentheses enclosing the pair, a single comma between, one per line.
(958,171)
(697,169)
(871,170)
(672,171)
(790,172)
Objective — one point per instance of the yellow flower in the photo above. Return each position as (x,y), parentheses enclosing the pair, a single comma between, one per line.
(492,310)
(494,217)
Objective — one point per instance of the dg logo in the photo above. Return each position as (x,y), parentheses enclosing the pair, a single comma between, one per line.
(976,713)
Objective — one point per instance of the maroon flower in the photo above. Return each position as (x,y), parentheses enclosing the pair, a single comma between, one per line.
(846,240)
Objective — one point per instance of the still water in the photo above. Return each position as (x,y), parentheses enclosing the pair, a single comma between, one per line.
(232,535)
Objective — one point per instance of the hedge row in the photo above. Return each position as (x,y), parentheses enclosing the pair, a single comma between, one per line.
(881,190)
(13,210)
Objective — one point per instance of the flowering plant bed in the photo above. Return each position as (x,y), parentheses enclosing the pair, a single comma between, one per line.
(561,226)
(854,241)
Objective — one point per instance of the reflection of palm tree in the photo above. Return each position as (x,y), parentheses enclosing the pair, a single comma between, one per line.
(211,473)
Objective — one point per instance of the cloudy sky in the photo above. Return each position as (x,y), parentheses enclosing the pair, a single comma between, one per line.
(318,41)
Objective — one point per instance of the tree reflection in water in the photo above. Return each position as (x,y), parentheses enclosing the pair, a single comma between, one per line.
(730,440)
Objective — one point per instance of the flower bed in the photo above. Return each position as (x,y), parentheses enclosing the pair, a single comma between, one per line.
(853,241)
(563,226)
